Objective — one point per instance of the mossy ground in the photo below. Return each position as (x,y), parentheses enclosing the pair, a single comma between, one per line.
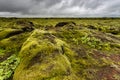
(88,49)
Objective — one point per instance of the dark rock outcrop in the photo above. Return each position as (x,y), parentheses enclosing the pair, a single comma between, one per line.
(25,25)
(61,24)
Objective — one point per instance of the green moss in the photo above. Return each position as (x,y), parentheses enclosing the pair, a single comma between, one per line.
(51,62)
(8,66)
(5,33)
(71,52)
(2,51)
(13,43)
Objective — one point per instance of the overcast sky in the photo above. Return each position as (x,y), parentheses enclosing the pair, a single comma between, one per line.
(60,8)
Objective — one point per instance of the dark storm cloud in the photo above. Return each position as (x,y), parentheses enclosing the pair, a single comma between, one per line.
(60,8)
(14,5)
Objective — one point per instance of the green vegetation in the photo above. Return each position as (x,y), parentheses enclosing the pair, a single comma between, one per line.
(59,49)
(2,51)
(8,66)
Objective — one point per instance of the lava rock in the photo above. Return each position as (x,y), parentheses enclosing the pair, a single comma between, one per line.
(61,24)
(26,25)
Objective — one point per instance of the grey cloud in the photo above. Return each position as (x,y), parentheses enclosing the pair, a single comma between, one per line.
(57,8)
(14,5)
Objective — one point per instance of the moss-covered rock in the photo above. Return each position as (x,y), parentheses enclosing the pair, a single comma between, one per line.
(9,32)
(42,59)
(67,51)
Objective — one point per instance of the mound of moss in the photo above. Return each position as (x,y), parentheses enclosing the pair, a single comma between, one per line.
(42,58)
